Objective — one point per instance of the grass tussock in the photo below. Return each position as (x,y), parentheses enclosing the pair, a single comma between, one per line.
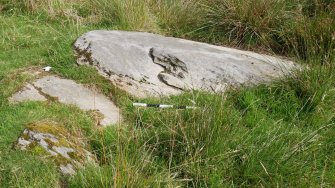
(300,28)
(279,134)
(138,16)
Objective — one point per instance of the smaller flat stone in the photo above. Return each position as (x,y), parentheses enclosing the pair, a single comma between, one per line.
(29,92)
(69,92)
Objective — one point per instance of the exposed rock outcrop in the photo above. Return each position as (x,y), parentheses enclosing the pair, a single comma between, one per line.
(145,64)
(50,140)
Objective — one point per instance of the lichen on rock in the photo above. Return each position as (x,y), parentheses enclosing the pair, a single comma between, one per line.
(66,149)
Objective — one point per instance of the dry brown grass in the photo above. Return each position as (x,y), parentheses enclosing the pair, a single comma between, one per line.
(54,8)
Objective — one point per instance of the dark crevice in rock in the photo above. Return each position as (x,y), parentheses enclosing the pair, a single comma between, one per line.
(163,79)
(172,65)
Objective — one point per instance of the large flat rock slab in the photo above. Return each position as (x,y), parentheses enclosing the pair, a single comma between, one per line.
(145,64)
(69,92)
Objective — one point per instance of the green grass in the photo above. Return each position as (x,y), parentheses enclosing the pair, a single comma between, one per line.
(276,135)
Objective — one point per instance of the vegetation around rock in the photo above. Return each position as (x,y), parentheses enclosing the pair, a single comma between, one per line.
(276,135)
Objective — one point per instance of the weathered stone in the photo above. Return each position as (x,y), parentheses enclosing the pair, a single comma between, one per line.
(68,92)
(145,64)
(29,92)
(66,149)
(67,169)
(63,151)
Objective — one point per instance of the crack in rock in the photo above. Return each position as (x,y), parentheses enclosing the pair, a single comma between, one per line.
(170,63)
(175,70)
(168,79)
(47,96)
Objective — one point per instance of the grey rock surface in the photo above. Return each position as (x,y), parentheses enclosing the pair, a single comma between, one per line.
(63,151)
(145,64)
(68,92)
(67,169)
(29,92)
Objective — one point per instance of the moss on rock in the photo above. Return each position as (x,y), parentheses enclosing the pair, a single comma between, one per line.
(67,149)
(47,127)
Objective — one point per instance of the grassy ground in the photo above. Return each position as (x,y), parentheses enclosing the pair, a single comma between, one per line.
(277,135)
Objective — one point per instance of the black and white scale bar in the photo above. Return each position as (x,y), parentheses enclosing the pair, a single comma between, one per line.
(163,106)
